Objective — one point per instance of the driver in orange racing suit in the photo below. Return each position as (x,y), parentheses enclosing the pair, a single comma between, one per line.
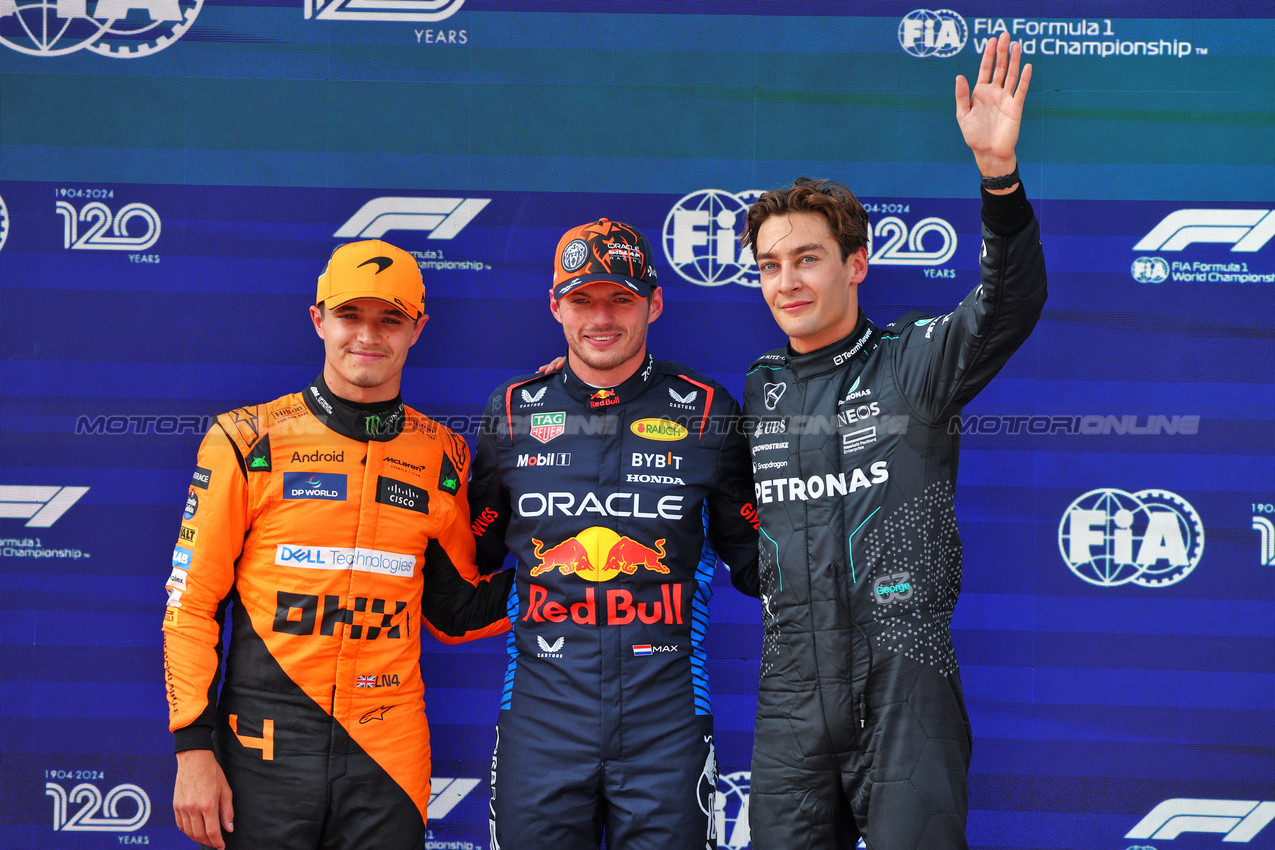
(333,521)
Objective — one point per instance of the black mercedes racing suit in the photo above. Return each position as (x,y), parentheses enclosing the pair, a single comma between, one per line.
(861,723)
(614,502)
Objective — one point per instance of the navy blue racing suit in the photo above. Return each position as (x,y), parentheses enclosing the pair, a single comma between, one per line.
(861,723)
(616,503)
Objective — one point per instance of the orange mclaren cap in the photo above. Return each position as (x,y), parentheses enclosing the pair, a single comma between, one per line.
(372,269)
(603,250)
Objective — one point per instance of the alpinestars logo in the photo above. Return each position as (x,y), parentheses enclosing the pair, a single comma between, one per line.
(123,29)
(408,11)
(441,218)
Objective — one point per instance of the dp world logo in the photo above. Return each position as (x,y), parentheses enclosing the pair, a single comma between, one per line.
(924,33)
(701,238)
(124,29)
(1152,538)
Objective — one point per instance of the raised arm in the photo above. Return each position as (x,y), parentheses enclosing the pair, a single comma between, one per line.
(991,115)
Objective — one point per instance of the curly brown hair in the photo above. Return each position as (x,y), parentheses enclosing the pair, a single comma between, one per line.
(846,217)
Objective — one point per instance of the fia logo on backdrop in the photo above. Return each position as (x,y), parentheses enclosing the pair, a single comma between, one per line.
(121,29)
(702,230)
(1151,538)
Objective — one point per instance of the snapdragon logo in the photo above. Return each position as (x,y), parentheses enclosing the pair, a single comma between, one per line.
(924,33)
(1151,538)
(123,29)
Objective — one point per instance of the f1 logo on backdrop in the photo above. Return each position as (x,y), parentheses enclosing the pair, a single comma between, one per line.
(1243,230)
(40,506)
(108,231)
(441,218)
(124,29)
(701,239)
(1241,820)
(1152,538)
(381,10)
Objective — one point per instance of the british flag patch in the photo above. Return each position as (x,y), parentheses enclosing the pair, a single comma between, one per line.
(365,682)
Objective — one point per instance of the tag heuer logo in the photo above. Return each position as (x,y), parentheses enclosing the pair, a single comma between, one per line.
(546,426)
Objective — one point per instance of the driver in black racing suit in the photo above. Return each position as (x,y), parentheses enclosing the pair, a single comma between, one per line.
(861,723)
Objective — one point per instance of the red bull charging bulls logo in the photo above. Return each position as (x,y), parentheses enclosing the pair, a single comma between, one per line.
(598,554)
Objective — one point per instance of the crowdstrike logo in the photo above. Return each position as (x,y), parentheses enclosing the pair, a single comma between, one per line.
(1151,538)
(1246,231)
(408,11)
(440,218)
(123,29)
(1240,820)
(924,33)
(39,506)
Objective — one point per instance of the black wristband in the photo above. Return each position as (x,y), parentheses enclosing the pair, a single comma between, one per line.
(1001,182)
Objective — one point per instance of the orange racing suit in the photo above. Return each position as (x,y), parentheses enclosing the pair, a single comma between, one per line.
(335,532)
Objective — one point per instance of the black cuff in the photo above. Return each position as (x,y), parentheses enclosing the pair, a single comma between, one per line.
(193,737)
(1006,215)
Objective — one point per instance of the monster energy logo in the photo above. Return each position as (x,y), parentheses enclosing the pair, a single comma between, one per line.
(371,424)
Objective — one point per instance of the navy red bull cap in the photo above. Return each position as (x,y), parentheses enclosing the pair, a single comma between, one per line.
(603,251)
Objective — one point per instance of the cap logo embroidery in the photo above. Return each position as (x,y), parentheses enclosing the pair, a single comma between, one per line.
(574,255)
(382,263)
